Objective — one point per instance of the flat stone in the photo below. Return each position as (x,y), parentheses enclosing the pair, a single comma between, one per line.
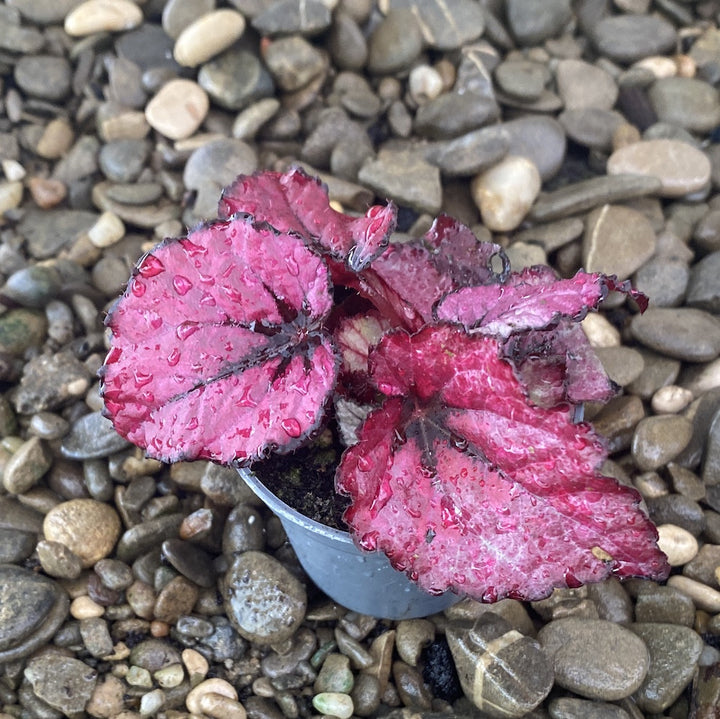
(614,669)
(178,14)
(573,708)
(263,601)
(470,153)
(655,603)
(286,17)
(387,177)
(664,280)
(704,284)
(45,76)
(531,27)
(208,36)
(32,607)
(622,364)
(540,139)
(92,437)
(148,47)
(88,528)
(618,240)
(446,25)
(176,599)
(591,126)
(48,231)
(102,16)
(523,79)
(686,102)
(21,40)
(674,653)
(293,62)
(659,439)
(42,12)
(26,466)
(190,560)
(453,113)
(681,168)
(582,85)
(146,215)
(123,160)
(680,332)
(678,510)
(178,109)
(65,683)
(143,537)
(627,38)
(505,192)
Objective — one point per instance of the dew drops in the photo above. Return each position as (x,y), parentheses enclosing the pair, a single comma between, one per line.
(137,288)
(192,424)
(207,300)
(113,355)
(142,378)
(186,329)
(364,464)
(191,249)
(182,284)
(292,266)
(150,266)
(291,427)
(368,541)
(174,357)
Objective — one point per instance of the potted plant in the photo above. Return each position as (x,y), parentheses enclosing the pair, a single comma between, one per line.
(453,381)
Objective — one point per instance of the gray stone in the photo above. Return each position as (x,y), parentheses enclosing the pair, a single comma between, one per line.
(591,127)
(627,38)
(678,510)
(148,46)
(622,364)
(44,12)
(531,27)
(683,333)
(704,284)
(387,177)
(614,669)
(674,653)
(26,466)
(655,603)
(540,139)
(142,537)
(236,79)
(453,113)
(190,560)
(91,437)
(469,154)
(664,280)
(154,654)
(687,102)
(123,160)
(294,62)
(285,17)
(263,601)
(582,85)
(32,607)
(347,42)
(178,14)
(33,286)
(21,40)
(706,236)
(572,708)
(66,684)
(395,43)
(523,79)
(48,231)
(76,164)
(658,440)
(44,76)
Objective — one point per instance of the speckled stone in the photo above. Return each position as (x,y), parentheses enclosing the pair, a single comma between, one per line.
(65,683)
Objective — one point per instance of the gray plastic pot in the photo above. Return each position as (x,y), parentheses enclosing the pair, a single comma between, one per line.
(362,581)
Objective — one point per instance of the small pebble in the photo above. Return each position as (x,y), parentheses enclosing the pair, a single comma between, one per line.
(209,686)
(208,36)
(678,544)
(84,608)
(178,109)
(705,597)
(96,16)
(107,230)
(334,704)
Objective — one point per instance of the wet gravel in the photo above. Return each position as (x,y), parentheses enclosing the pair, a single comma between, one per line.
(573,133)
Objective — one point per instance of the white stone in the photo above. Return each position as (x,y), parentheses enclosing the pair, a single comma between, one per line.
(10,196)
(599,331)
(178,109)
(108,229)
(671,399)
(425,83)
(102,16)
(705,598)
(678,544)
(13,170)
(209,686)
(505,192)
(658,65)
(208,36)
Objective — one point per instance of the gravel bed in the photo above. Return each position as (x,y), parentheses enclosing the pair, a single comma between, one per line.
(581,133)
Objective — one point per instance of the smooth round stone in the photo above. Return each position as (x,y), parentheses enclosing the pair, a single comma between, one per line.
(387,176)
(107,230)
(674,653)
(56,140)
(16,546)
(11,194)
(85,526)
(33,607)
(149,216)
(704,284)
(44,12)
(704,597)
(178,14)
(176,599)
(347,43)
(92,437)
(102,16)
(521,78)
(286,17)
(394,43)
(582,85)
(293,62)
(148,47)
(591,126)
(178,109)
(671,399)
(58,561)
(190,560)
(17,39)
(65,683)
(680,332)
(26,466)
(618,240)
(33,286)
(45,76)
(21,329)
(505,192)
(655,603)
(540,139)
(531,27)
(658,440)
(235,79)
(470,153)
(614,669)
(627,38)
(454,113)
(681,168)
(263,601)
(664,280)
(123,160)
(209,686)
(687,102)
(573,708)
(145,536)
(678,544)
(208,36)
(622,364)
(136,193)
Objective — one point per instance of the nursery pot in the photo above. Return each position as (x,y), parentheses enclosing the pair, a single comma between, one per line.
(362,581)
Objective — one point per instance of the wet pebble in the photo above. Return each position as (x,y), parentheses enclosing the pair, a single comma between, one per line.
(30,461)
(394,43)
(293,62)
(91,437)
(530,27)
(704,597)
(191,561)
(704,285)
(582,85)
(659,439)
(58,561)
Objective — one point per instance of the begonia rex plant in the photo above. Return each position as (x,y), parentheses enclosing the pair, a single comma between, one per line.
(469,472)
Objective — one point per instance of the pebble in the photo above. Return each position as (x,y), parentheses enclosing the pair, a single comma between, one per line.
(221,707)
(190,560)
(530,27)
(582,85)
(96,16)
(47,193)
(334,704)
(469,153)
(681,168)
(678,544)
(592,127)
(686,102)
(108,229)
(394,43)
(65,683)
(286,17)
(674,653)
(335,675)
(208,36)
(505,192)
(627,38)
(123,160)
(671,399)
(573,708)
(33,286)
(703,284)
(141,538)
(87,527)
(521,78)
(412,636)
(455,113)
(659,439)
(683,333)
(618,240)
(704,597)
(655,603)
(622,364)
(178,14)
(540,139)
(664,280)
(92,437)
(44,76)
(34,607)
(293,62)
(387,176)
(264,602)
(178,109)
(176,599)
(11,194)
(498,666)
(614,669)
(58,561)
(209,686)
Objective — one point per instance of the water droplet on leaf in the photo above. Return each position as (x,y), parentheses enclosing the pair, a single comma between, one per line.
(186,329)
(291,427)
(182,284)
(151,266)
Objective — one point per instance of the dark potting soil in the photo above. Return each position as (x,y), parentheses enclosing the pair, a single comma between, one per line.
(305,480)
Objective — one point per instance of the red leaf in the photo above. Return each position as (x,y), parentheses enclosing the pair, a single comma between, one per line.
(466,486)
(218,350)
(296,202)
